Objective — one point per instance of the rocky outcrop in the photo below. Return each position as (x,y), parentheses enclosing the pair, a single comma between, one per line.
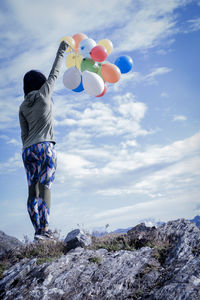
(8,242)
(77,238)
(163,263)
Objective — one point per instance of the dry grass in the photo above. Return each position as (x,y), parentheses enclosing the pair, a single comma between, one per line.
(44,251)
(111,242)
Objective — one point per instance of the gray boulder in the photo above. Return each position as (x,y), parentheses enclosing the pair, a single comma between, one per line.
(77,238)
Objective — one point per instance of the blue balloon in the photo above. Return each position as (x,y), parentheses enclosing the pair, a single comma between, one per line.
(80,88)
(124,63)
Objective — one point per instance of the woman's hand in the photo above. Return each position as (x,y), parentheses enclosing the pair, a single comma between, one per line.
(63,45)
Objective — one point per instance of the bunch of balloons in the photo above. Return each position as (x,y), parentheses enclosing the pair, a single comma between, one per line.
(87,68)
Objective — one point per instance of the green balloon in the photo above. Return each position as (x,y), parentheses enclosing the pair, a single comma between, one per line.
(89,64)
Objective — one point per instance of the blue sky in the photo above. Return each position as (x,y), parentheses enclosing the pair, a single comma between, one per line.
(129,156)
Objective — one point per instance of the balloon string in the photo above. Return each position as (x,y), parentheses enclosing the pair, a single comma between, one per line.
(76,54)
(71,48)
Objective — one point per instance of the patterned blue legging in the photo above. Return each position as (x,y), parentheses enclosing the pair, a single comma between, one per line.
(40,165)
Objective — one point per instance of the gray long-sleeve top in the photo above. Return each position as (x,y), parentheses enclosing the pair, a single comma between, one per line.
(36,111)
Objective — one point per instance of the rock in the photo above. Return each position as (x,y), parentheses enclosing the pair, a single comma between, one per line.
(77,238)
(80,275)
(141,235)
(167,270)
(182,261)
(8,242)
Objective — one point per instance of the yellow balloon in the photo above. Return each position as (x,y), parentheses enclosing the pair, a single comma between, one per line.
(70,41)
(74,60)
(106,44)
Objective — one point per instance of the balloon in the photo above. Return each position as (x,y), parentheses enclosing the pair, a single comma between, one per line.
(124,63)
(79,88)
(106,44)
(104,91)
(110,72)
(92,83)
(70,41)
(72,78)
(89,65)
(78,38)
(99,69)
(86,46)
(74,60)
(98,53)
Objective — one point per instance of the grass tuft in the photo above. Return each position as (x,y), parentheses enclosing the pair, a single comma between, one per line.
(95,259)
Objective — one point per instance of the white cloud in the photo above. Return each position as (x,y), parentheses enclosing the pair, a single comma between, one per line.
(4,137)
(164,95)
(64,17)
(131,143)
(28,45)
(192,25)
(12,164)
(180,118)
(9,106)
(165,208)
(150,24)
(73,165)
(174,177)
(178,162)
(134,110)
(99,150)
(151,77)
(139,24)
(14,142)
(113,171)
(121,116)
(135,78)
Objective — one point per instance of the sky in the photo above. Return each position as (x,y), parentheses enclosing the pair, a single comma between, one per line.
(130,156)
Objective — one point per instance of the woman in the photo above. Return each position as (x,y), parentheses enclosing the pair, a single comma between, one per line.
(39,155)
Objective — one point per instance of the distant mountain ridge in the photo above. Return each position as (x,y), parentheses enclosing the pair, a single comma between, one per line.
(147,222)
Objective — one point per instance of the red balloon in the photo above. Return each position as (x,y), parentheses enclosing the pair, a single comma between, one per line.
(103,93)
(99,53)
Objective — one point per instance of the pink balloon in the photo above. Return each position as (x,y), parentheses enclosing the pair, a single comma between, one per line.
(103,93)
(98,53)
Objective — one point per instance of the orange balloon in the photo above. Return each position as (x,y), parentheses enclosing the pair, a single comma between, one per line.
(110,72)
(78,38)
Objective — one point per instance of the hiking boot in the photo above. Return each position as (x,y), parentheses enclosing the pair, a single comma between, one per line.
(39,236)
(48,234)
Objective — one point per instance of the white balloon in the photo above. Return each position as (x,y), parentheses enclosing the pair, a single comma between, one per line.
(72,78)
(92,83)
(86,46)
